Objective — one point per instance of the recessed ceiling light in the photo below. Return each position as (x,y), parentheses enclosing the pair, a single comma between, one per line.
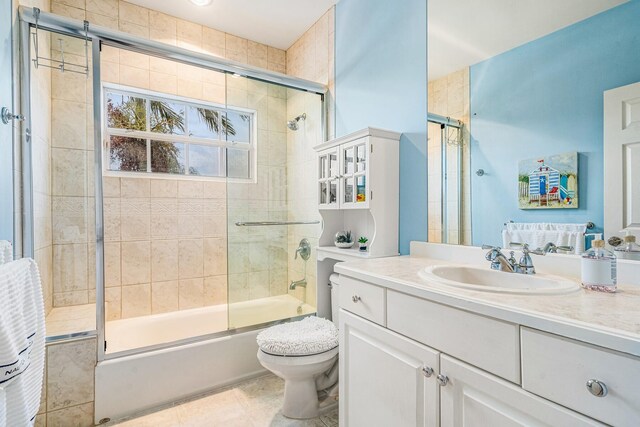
(201,2)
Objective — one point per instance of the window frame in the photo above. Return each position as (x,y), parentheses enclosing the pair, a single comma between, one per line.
(251,147)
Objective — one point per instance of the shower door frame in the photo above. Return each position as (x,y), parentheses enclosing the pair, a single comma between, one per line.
(99,36)
(445,123)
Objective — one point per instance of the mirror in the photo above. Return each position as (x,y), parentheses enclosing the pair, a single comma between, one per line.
(515,100)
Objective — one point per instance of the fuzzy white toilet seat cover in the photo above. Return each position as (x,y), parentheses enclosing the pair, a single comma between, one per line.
(311,335)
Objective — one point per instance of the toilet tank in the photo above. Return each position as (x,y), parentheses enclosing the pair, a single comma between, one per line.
(335,306)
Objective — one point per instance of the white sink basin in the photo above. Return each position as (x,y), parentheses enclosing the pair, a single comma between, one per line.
(486,280)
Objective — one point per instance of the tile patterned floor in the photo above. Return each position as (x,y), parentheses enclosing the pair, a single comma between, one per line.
(254,403)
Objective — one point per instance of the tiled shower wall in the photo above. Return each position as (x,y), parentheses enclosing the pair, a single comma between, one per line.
(166,239)
(75,255)
(68,386)
(449,97)
(310,57)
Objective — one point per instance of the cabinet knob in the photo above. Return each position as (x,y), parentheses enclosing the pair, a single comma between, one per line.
(427,371)
(597,388)
(355,298)
(442,380)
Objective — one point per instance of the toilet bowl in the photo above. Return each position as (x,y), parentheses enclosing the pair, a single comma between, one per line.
(305,355)
(299,374)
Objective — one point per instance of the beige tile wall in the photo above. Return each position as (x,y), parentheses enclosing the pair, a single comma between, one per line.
(165,245)
(72,189)
(449,96)
(68,388)
(166,239)
(136,234)
(310,57)
(42,185)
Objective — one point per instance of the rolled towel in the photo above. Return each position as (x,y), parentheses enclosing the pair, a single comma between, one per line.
(6,251)
(22,337)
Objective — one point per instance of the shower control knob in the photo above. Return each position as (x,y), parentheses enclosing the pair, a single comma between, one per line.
(597,388)
(427,371)
(356,298)
(443,380)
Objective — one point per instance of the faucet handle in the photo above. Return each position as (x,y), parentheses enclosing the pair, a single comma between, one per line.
(497,248)
(519,245)
(493,253)
(525,248)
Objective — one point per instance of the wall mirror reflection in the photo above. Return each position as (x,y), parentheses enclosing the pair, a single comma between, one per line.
(529,138)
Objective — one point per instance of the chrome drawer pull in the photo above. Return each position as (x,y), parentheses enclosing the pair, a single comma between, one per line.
(597,388)
(442,380)
(356,298)
(427,371)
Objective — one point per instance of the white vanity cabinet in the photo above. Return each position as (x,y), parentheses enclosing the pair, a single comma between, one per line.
(474,398)
(409,361)
(389,379)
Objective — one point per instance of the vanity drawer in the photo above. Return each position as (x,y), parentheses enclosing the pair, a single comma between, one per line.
(558,369)
(489,344)
(364,299)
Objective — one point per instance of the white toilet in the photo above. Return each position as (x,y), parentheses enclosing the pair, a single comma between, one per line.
(305,355)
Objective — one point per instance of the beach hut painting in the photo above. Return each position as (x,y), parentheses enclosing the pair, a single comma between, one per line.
(549,182)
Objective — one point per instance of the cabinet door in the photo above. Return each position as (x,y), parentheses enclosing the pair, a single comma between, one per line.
(328,179)
(354,170)
(472,397)
(382,381)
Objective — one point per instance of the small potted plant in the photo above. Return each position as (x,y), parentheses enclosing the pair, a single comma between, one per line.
(362,242)
(343,239)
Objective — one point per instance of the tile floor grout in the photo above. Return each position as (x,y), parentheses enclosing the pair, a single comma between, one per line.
(252,403)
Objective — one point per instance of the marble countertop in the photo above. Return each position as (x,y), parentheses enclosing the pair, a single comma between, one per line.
(607,320)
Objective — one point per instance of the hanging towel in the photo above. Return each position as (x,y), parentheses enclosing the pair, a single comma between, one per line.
(22,336)
(6,251)
(537,235)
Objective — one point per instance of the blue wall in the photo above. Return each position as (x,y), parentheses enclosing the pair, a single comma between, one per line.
(381,69)
(542,98)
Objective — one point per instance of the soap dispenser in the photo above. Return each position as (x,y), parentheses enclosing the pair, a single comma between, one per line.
(599,267)
(629,249)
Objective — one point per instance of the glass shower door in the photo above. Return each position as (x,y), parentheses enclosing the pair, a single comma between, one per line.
(270,208)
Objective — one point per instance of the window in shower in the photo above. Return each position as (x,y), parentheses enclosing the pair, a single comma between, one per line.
(161,134)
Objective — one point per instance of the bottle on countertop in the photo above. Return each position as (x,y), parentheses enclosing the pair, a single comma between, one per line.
(629,249)
(599,267)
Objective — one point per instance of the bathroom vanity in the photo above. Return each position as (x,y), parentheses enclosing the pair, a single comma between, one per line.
(414,352)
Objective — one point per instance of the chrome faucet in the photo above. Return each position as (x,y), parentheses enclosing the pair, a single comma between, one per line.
(500,262)
(295,283)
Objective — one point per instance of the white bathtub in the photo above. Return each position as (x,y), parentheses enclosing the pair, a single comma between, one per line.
(130,384)
(145,331)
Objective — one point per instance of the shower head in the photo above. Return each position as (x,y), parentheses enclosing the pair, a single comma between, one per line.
(293,124)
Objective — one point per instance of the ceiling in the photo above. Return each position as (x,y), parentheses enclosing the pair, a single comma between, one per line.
(277,23)
(465,32)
